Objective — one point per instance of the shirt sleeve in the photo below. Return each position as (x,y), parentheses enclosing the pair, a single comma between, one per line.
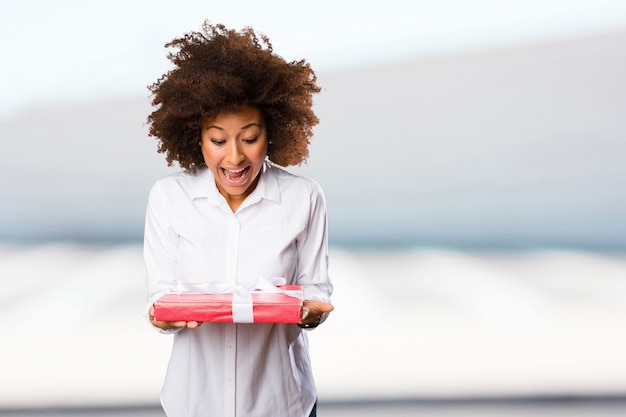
(160,247)
(313,252)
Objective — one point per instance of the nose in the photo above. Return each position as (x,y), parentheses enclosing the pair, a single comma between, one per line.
(235,153)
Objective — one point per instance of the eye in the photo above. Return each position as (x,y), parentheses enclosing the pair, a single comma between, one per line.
(218,142)
(250,141)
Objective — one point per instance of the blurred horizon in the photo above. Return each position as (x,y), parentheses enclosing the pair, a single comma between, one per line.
(508,148)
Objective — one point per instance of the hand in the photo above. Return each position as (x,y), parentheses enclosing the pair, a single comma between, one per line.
(167,325)
(313,310)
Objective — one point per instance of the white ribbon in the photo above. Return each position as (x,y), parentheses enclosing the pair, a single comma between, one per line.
(242,293)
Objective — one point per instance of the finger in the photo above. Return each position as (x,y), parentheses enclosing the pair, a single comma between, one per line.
(313,310)
(319,306)
(325,307)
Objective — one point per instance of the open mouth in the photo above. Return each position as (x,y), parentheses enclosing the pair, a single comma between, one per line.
(236,176)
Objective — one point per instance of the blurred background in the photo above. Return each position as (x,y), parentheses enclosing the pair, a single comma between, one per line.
(472,157)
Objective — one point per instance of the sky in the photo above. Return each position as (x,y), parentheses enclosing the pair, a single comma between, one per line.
(70,50)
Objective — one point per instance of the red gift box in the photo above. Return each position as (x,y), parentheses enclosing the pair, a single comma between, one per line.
(267,307)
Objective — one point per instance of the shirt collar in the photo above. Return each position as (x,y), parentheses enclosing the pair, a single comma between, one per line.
(202,185)
(267,187)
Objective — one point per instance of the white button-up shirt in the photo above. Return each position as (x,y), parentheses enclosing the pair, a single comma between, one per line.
(192,235)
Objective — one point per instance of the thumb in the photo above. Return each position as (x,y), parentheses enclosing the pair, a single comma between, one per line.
(319,306)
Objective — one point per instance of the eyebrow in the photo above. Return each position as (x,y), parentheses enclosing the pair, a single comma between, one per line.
(242,127)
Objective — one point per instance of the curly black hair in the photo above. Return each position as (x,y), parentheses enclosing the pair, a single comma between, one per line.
(219,70)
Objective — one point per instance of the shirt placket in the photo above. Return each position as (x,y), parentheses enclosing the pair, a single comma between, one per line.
(231,261)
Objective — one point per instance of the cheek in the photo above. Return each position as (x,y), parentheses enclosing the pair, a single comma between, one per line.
(261,156)
(261,153)
(209,157)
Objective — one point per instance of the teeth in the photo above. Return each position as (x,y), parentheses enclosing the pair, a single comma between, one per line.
(234,173)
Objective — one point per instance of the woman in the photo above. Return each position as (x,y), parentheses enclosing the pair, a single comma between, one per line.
(230,113)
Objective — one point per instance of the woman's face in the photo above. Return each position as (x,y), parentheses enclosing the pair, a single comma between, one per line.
(234,146)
